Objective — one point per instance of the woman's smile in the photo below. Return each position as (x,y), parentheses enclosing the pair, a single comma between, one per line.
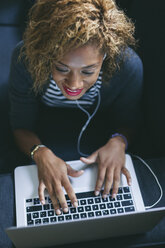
(72,92)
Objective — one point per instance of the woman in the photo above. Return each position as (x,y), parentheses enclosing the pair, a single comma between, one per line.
(74,61)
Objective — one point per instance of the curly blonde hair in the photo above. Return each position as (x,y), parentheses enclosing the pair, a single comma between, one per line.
(57,26)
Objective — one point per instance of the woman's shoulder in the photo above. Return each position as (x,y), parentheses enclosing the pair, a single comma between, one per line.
(17,52)
(19,75)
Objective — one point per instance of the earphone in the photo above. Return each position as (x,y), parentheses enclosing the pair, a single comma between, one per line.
(156,179)
(87,122)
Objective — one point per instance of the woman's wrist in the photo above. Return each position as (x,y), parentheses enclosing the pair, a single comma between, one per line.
(118,141)
(120,137)
(34,149)
(41,151)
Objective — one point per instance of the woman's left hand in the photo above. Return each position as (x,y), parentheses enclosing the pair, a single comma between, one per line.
(111,163)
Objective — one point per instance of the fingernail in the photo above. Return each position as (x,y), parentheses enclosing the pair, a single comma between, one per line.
(104,196)
(42,202)
(58,211)
(75,204)
(130,182)
(114,195)
(97,193)
(65,210)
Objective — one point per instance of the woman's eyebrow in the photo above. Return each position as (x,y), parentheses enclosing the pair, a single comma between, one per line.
(85,67)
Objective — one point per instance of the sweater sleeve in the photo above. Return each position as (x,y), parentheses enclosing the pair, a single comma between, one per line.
(23,101)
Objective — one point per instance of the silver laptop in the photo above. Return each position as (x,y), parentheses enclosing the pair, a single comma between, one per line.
(94,218)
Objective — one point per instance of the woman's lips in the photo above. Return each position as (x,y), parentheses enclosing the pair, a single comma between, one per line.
(72,92)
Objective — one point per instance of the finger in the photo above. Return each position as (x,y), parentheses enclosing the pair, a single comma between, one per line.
(127,174)
(61,197)
(90,159)
(41,189)
(108,182)
(55,204)
(73,173)
(54,199)
(116,182)
(100,180)
(70,192)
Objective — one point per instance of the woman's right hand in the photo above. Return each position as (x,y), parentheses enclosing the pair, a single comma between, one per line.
(53,175)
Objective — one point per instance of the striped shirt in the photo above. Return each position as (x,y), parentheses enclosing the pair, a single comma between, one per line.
(53,96)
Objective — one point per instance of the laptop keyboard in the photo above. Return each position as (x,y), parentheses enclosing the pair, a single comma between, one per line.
(89,206)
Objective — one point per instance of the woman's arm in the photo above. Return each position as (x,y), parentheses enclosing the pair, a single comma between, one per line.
(52,171)
(25,140)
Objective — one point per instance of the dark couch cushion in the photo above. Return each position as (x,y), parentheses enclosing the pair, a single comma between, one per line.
(14,12)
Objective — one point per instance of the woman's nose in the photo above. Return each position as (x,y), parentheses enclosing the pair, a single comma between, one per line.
(74,80)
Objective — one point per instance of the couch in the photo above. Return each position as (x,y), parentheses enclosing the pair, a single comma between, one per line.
(148,19)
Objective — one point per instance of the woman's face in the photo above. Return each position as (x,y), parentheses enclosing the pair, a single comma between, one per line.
(77,71)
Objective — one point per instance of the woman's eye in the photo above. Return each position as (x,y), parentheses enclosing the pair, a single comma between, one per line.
(88,72)
(61,70)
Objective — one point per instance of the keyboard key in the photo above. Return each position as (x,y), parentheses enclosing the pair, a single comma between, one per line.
(111,199)
(98,213)
(120,190)
(113,211)
(117,204)
(68,217)
(29,217)
(45,220)
(83,215)
(105,212)
(66,212)
(36,201)
(110,205)
(119,197)
(90,201)
(97,200)
(83,202)
(28,200)
(51,213)
(67,197)
(43,214)
(126,189)
(129,209)
(85,195)
(75,216)
(38,221)
(127,203)
(60,218)
(105,199)
(30,222)
(95,207)
(80,209)
(73,210)
(120,210)
(88,208)
(127,196)
(90,214)
(34,208)
(102,206)
(35,215)
(53,219)
(46,207)
(69,204)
